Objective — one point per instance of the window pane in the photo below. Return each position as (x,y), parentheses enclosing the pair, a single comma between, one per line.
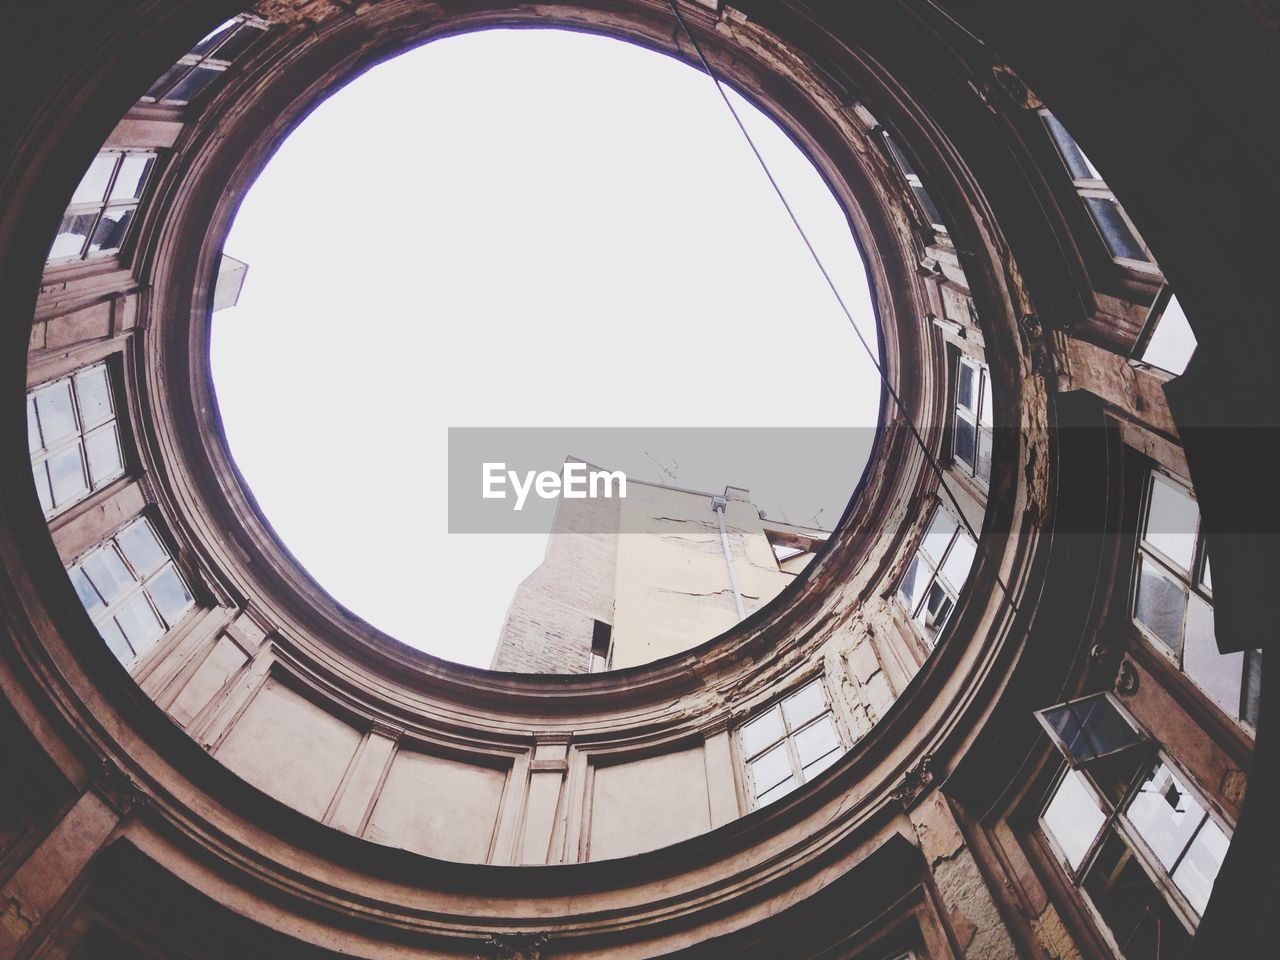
(103,450)
(170,594)
(966,442)
(88,596)
(815,768)
(984,454)
(116,640)
(1132,906)
(1217,674)
(770,769)
(959,560)
(67,477)
(93,186)
(1172,519)
(237,44)
(107,572)
(191,86)
(1165,815)
(762,731)
(965,382)
(804,705)
(933,615)
(1172,342)
(1115,230)
(57,416)
(1199,868)
(93,396)
(984,409)
(913,584)
(1077,162)
(132,178)
(1073,818)
(816,740)
(781,790)
(1252,686)
(167,79)
(110,232)
(33,426)
(1206,577)
(215,37)
(1105,728)
(72,234)
(141,548)
(139,623)
(1162,601)
(40,473)
(936,538)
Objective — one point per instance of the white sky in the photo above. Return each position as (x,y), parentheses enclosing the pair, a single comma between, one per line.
(521,228)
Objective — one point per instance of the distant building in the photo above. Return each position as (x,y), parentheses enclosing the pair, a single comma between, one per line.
(629,581)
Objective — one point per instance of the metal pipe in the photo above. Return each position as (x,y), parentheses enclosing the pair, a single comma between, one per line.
(718,504)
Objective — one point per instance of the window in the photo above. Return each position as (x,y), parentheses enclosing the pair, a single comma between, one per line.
(971,436)
(601,646)
(1090,728)
(790,743)
(104,205)
(73,438)
(192,75)
(1145,856)
(1166,340)
(937,572)
(1173,601)
(792,551)
(928,209)
(1118,233)
(131,588)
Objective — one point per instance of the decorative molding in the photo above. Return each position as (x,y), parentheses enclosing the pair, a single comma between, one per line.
(915,781)
(1127,681)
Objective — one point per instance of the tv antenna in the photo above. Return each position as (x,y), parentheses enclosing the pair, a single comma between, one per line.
(665,474)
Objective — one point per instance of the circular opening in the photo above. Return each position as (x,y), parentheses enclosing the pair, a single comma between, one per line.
(531,229)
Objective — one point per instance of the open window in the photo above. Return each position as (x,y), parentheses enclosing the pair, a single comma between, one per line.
(792,550)
(1166,340)
(601,646)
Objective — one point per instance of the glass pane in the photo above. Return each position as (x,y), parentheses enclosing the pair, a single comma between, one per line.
(40,473)
(781,790)
(109,234)
(1077,162)
(102,447)
(959,560)
(936,538)
(33,426)
(237,44)
(1136,911)
(1217,674)
(132,178)
(804,704)
(67,477)
(139,623)
(107,572)
(141,548)
(1105,728)
(1073,818)
(816,740)
(72,234)
(170,594)
(815,768)
(1252,686)
(762,731)
(984,454)
(116,640)
(167,79)
(1172,342)
(1199,868)
(965,392)
(93,396)
(913,584)
(770,769)
(1206,576)
(93,186)
(927,206)
(966,442)
(1172,520)
(214,37)
(1162,601)
(191,86)
(933,615)
(57,416)
(984,410)
(84,590)
(1165,814)
(1115,230)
